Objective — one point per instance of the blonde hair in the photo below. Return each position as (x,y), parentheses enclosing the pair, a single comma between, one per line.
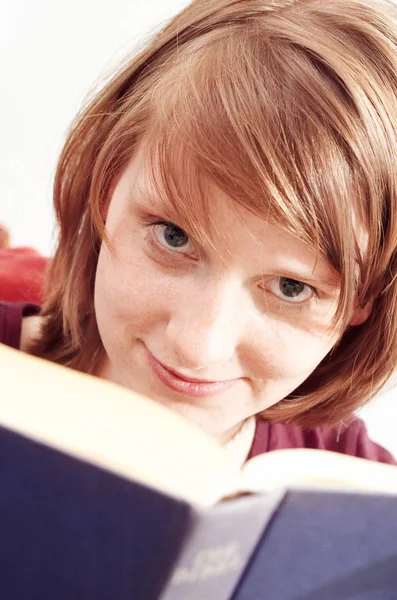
(289,108)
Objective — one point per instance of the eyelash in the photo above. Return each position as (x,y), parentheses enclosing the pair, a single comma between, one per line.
(277,302)
(158,246)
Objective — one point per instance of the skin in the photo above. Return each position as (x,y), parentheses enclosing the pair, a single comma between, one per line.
(215,315)
(210,315)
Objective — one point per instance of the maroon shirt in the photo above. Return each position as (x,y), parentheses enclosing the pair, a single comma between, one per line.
(352,440)
(11,315)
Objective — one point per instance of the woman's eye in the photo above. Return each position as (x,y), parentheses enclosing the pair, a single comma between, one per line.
(291,290)
(172,237)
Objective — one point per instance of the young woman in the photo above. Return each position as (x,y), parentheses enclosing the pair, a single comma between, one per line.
(227,224)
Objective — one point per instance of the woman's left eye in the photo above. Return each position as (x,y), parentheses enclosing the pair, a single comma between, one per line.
(172,237)
(291,290)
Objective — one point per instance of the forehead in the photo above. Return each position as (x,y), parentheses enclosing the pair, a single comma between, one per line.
(224,219)
(228,230)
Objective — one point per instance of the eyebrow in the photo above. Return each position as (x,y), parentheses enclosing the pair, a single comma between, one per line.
(147,200)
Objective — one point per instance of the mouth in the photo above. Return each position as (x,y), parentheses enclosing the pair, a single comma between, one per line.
(187,387)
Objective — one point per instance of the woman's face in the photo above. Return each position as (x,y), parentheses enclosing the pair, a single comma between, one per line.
(216,338)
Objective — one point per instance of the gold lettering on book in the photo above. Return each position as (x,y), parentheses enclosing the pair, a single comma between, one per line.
(210,562)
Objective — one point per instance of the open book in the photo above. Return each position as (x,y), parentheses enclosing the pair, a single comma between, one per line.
(107,495)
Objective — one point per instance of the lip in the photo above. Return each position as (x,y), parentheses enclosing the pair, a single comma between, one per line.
(194,389)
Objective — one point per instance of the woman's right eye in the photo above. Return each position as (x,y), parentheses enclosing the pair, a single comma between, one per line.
(172,237)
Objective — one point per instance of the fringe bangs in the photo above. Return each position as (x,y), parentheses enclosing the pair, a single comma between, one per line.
(275,151)
(287,107)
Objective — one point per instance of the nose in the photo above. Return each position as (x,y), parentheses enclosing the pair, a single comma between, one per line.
(206,327)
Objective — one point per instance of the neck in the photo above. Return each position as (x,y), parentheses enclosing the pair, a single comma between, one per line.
(227,436)
(238,446)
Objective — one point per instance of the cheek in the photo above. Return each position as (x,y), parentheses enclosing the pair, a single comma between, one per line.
(306,353)
(292,353)
(129,295)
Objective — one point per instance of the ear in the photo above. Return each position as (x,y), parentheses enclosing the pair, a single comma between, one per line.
(361,313)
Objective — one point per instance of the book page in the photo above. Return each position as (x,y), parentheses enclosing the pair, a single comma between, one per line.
(112,427)
(309,468)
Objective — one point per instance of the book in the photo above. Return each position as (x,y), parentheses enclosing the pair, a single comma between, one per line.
(107,495)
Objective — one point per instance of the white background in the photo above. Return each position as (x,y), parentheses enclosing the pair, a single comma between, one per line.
(51,55)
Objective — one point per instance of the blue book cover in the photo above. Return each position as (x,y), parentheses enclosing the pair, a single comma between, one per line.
(105,495)
(326,546)
(70,530)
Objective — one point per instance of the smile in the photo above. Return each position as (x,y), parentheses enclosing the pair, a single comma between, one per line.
(194,389)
